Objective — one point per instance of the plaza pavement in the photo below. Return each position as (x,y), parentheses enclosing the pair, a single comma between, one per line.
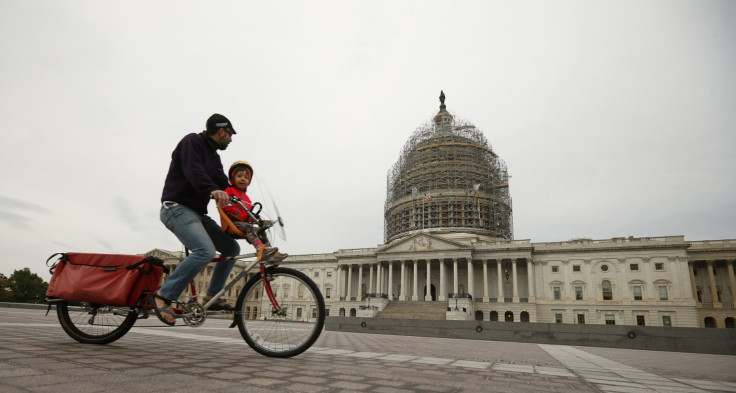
(37,356)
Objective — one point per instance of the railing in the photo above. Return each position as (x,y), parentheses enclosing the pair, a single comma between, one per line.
(493,299)
(706,305)
(459,296)
(508,300)
(727,305)
(377,295)
(524,300)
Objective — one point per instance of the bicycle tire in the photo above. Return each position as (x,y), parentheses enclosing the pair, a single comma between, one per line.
(94,323)
(300,323)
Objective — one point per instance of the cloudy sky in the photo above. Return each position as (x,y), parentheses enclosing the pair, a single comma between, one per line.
(615,118)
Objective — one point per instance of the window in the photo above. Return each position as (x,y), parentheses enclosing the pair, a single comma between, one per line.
(555,269)
(610,319)
(576,268)
(604,268)
(314,313)
(328,292)
(286,290)
(316,274)
(666,320)
(640,320)
(329,274)
(659,266)
(607,291)
(634,267)
(581,319)
(327,312)
(299,312)
(662,292)
(301,291)
(558,318)
(637,292)
(578,293)
(556,291)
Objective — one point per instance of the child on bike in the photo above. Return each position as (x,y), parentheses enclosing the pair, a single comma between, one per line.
(240,175)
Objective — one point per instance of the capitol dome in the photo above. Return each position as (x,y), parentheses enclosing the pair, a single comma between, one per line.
(448,179)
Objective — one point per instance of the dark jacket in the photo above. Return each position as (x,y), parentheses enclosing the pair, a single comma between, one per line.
(195,171)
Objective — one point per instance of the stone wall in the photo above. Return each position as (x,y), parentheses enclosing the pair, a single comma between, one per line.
(697,340)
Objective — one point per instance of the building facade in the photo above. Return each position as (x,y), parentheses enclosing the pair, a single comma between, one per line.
(449,253)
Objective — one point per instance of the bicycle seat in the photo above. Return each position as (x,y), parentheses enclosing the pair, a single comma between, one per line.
(228,227)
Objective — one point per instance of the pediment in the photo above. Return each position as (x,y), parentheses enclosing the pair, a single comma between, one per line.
(162,254)
(423,242)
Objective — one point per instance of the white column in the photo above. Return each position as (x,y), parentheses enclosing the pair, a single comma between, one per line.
(443,288)
(415,293)
(471,278)
(359,296)
(712,280)
(454,276)
(531,293)
(428,296)
(390,280)
(350,283)
(339,282)
(379,281)
(500,281)
(731,279)
(370,281)
(516,287)
(402,290)
(485,281)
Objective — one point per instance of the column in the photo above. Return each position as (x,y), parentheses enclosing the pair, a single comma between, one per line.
(415,293)
(370,280)
(350,282)
(691,266)
(471,278)
(516,287)
(499,273)
(485,281)
(390,280)
(443,288)
(339,282)
(428,295)
(360,283)
(379,281)
(731,279)
(713,293)
(402,290)
(531,293)
(454,276)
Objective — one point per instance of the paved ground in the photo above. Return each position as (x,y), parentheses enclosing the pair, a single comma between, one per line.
(37,356)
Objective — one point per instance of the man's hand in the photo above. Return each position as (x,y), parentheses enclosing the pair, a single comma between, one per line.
(220,197)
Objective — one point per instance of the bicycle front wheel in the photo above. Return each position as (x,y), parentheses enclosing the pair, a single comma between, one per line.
(95,323)
(289,331)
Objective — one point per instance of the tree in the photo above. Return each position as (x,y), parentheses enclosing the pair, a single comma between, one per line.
(5,294)
(27,287)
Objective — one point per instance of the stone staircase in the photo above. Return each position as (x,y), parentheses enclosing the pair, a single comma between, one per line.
(414,310)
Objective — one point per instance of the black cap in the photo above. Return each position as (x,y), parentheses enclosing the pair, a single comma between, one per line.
(217,121)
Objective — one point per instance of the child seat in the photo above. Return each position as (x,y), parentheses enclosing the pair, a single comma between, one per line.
(228,227)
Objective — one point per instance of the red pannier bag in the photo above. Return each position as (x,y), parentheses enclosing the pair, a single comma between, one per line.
(115,280)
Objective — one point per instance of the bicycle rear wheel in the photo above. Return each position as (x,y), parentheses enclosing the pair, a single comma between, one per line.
(292,330)
(95,323)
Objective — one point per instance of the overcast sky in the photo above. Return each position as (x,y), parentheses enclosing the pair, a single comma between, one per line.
(615,118)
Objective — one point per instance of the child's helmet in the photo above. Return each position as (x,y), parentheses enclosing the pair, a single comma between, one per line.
(239,164)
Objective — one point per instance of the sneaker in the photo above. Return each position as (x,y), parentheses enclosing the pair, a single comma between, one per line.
(265,253)
(278,258)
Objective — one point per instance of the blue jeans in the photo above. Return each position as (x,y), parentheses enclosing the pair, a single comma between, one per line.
(202,236)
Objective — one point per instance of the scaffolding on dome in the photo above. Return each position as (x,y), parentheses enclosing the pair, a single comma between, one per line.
(448,178)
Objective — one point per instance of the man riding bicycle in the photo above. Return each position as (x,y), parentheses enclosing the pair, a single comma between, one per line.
(196,175)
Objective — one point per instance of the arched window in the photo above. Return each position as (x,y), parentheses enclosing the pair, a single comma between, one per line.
(524,316)
(494,316)
(479,315)
(731,322)
(607,291)
(710,322)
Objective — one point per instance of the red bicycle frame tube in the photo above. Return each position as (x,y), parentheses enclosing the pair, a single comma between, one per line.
(269,291)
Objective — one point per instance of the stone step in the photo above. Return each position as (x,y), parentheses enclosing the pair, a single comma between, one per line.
(414,310)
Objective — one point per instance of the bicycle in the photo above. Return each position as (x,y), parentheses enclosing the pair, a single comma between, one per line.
(286,329)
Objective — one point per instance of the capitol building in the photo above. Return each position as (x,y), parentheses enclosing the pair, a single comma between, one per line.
(450,254)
